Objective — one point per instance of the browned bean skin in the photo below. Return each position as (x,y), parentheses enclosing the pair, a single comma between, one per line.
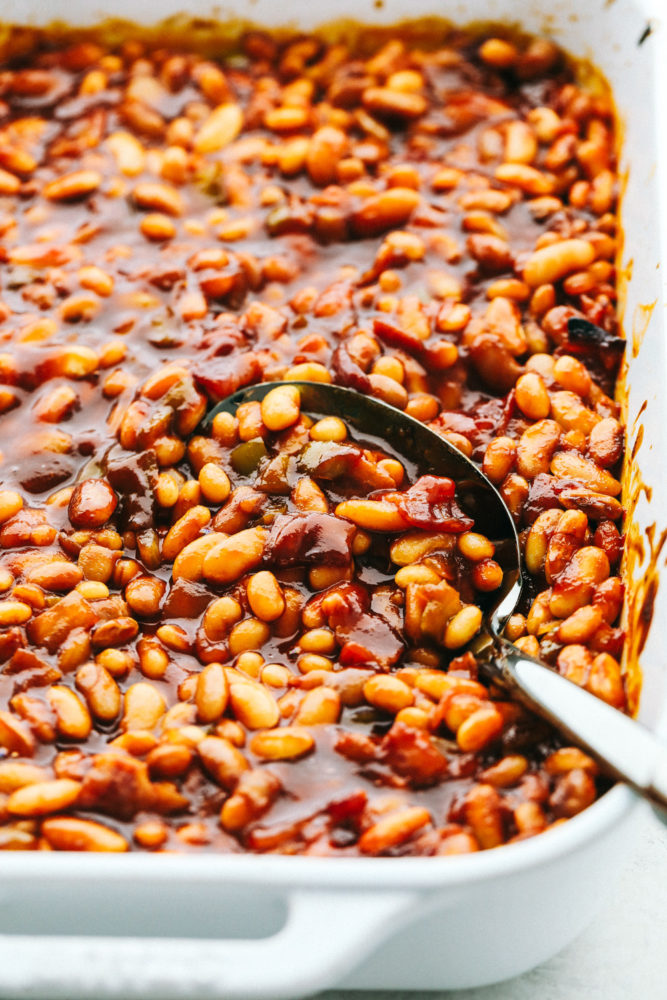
(92,503)
(239,640)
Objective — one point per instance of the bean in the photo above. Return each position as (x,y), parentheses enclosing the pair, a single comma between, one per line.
(16,774)
(158,197)
(388,100)
(474,546)
(491,252)
(463,626)
(328,429)
(92,503)
(44,797)
(608,597)
(97,562)
(72,717)
(286,743)
(572,375)
(457,843)
(507,772)
(116,661)
(479,729)
(487,575)
(92,590)
(571,413)
(416,573)
(457,706)
(275,675)
(157,227)
(128,152)
(265,596)
(185,530)
(574,791)
(536,446)
(415,718)
(520,143)
(567,759)
(250,634)
(532,397)
(220,128)
(581,625)
(540,618)
(116,632)
(174,637)
(605,680)
(223,761)
(143,709)
(567,465)
(144,595)
(309,371)
(211,693)
(528,179)
(153,659)
(568,536)
(386,210)
(189,563)
(537,542)
(605,444)
(15,736)
(394,829)
(551,263)
(170,760)
(482,813)
(234,556)
(56,576)
(414,545)
(574,588)
(68,833)
(100,690)
(214,482)
(253,705)
(321,706)
(498,53)
(10,504)
(436,684)
(225,429)
(327,146)
(318,640)
(281,408)
(286,119)
(70,187)
(220,616)
(14,613)
(388,693)
(151,834)
(254,794)
(499,459)
(312,661)
(373,515)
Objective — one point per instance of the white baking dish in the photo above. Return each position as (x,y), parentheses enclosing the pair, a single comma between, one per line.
(252,927)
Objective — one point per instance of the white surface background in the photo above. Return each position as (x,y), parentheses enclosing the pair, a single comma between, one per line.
(621,956)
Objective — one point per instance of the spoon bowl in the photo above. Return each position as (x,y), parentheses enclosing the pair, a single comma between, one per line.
(623,747)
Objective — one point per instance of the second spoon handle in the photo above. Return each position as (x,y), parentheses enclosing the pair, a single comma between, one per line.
(624,747)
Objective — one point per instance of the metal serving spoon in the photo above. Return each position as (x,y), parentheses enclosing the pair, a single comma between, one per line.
(625,749)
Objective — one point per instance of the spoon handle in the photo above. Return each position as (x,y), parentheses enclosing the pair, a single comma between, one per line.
(622,746)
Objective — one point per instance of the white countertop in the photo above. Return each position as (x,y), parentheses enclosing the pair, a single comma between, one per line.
(621,956)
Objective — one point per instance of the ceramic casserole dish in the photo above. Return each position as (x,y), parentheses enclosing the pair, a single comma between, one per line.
(215,926)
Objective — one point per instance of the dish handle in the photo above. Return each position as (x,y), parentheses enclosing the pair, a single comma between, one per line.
(325,935)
